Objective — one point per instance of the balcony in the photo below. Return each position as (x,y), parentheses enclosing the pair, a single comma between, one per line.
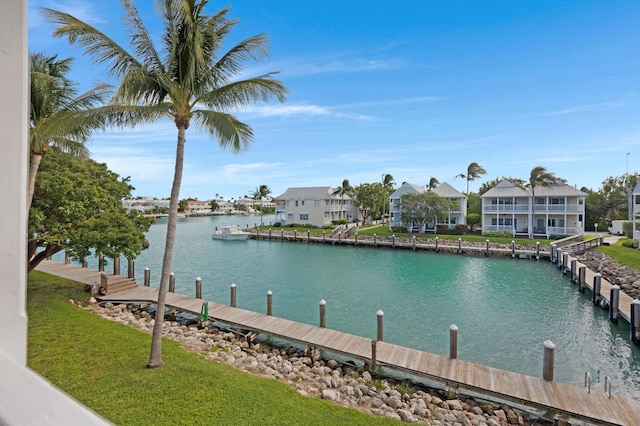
(506,208)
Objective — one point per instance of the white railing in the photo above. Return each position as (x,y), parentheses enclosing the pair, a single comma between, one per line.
(506,208)
(560,208)
(497,228)
(563,230)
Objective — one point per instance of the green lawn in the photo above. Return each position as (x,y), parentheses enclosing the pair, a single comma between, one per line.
(624,255)
(102,364)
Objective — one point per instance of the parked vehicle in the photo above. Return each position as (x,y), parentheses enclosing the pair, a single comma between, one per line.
(617,227)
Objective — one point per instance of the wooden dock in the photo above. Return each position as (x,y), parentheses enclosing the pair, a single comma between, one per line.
(556,398)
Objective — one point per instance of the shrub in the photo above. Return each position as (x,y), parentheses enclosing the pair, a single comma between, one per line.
(631,243)
(498,234)
(399,229)
(473,219)
(277,224)
(627,228)
(558,236)
(441,229)
(462,229)
(451,231)
(340,222)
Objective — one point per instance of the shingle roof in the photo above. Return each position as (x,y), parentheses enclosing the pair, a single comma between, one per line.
(505,189)
(560,190)
(448,191)
(310,193)
(407,188)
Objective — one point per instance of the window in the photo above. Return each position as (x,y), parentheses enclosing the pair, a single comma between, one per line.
(296,203)
(503,221)
(289,216)
(304,216)
(316,203)
(302,203)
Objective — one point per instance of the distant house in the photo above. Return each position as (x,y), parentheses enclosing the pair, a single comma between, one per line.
(317,206)
(197,207)
(557,210)
(144,205)
(457,215)
(635,207)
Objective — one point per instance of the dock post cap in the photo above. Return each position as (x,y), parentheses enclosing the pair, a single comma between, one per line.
(635,302)
(198,279)
(233,285)
(487,240)
(146,269)
(549,344)
(269,293)
(615,287)
(323,302)
(172,273)
(598,274)
(380,313)
(453,327)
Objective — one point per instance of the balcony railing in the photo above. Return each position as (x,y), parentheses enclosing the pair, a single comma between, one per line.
(506,208)
(560,208)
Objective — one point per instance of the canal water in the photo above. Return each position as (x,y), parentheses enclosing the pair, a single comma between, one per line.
(504,308)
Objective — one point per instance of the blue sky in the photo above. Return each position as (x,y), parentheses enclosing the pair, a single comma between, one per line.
(415,89)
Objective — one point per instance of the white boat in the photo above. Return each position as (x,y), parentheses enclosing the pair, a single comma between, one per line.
(230,232)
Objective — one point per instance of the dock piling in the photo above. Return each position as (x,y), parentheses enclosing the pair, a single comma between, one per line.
(453,341)
(513,248)
(269,303)
(574,264)
(537,250)
(547,363)
(582,270)
(459,245)
(323,313)
(558,260)
(597,284)
(172,282)
(380,315)
(147,277)
(635,322)
(131,273)
(101,262)
(436,244)
(486,253)
(233,295)
(372,367)
(614,301)
(198,288)
(565,261)
(116,266)
(84,262)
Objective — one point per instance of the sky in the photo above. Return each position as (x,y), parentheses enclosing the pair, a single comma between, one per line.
(415,89)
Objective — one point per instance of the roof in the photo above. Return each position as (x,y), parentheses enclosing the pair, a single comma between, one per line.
(310,193)
(505,188)
(447,191)
(560,190)
(636,190)
(407,188)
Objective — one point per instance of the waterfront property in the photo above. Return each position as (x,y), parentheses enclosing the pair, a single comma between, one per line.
(456,215)
(556,210)
(144,205)
(317,206)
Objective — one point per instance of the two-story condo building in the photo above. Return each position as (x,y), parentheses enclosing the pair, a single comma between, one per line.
(144,205)
(457,215)
(556,210)
(317,206)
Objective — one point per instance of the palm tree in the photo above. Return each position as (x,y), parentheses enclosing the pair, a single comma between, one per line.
(474,171)
(59,118)
(539,176)
(342,190)
(387,187)
(261,192)
(188,81)
(433,183)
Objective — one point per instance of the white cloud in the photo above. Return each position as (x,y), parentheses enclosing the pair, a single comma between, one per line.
(603,106)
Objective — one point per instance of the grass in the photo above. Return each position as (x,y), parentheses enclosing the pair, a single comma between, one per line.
(383,231)
(624,255)
(102,364)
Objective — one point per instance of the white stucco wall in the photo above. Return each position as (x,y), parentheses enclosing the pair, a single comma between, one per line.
(25,398)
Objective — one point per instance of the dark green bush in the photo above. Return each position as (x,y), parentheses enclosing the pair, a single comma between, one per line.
(473,219)
(462,229)
(399,229)
(277,224)
(442,229)
(631,243)
(451,231)
(627,228)
(498,234)
(340,222)
(558,236)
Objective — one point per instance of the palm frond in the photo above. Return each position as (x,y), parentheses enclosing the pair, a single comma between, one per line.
(99,47)
(231,133)
(244,93)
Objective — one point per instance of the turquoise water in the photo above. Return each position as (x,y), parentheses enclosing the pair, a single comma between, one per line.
(504,308)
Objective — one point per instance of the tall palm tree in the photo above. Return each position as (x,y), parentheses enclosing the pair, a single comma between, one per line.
(59,118)
(474,171)
(188,81)
(433,183)
(342,190)
(261,192)
(387,187)
(539,176)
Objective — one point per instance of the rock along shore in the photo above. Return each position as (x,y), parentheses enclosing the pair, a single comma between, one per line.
(313,376)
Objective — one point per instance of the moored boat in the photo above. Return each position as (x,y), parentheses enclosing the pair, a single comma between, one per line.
(230,232)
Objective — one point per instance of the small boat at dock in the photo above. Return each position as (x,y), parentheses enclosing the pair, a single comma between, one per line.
(230,232)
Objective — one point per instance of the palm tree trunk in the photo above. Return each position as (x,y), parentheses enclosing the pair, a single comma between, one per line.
(155,357)
(33,171)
